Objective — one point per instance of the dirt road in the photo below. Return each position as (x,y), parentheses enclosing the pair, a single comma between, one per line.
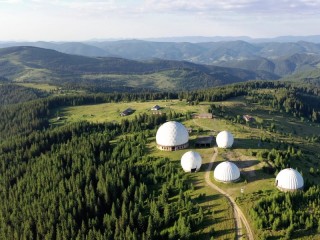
(238,214)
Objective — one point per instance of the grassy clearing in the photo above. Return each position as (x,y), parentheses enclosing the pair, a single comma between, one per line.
(164,80)
(247,136)
(108,112)
(35,75)
(41,86)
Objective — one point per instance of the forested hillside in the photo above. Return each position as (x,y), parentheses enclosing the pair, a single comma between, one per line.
(282,66)
(30,64)
(309,77)
(10,94)
(95,63)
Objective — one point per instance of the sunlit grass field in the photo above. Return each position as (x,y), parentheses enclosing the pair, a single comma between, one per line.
(41,86)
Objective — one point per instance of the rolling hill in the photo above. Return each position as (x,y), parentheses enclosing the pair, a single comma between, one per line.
(31,64)
(311,76)
(281,66)
(276,59)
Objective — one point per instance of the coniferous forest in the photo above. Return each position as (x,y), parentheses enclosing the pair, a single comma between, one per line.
(97,181)
(72,183)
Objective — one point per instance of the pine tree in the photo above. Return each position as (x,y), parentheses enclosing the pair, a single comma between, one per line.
(150,229)
(166,214)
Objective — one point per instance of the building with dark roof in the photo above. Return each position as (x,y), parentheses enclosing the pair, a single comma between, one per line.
(126,112)
(204,141)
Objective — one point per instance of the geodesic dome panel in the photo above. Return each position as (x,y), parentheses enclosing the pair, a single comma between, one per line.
(191,161)
(224,139)
(226,172)
(172,134)
(289,179)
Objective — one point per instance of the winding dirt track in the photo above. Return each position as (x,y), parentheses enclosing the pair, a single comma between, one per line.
(238,214)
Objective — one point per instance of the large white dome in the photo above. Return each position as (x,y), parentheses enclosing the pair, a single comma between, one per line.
(226,172)
(289,179)
(191,161)
(172,134)
(224,139)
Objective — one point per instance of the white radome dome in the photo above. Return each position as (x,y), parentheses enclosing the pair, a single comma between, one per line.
(224,139)
(226,172)
(172,134)
(191,161)
(289,180)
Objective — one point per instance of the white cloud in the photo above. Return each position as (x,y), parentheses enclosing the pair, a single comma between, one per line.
(80,19)
(88,5)
(10,1)
(235,6)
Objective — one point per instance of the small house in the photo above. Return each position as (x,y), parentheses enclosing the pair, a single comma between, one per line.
(155,108)
(248,118)
(126,112)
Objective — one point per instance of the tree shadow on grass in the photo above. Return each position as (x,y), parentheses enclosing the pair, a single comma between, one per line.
(305,233)
(207,198)
(247,143)
(246,163)
(255,175)
(204,167)
(240,164)
(223,232)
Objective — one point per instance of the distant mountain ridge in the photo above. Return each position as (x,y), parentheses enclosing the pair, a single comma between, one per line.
(198,39)
(278,58)
(32,64)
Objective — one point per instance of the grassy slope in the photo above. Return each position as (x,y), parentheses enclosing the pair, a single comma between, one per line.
(41,86)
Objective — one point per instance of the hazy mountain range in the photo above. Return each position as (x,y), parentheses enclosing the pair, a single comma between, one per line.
(198,39)
(159,65)
(277,58)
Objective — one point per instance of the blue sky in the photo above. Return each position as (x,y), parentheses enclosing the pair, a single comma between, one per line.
(62,20)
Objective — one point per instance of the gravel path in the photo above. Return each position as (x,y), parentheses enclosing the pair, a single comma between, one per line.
(238,214)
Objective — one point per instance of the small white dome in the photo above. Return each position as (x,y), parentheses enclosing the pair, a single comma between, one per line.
(191,161)
(224,139)
(226,172)
(289,179)
(172,134)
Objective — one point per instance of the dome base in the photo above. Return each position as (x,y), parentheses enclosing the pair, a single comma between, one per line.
(289,190)
(173,148)
(231,181)
(193,170)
